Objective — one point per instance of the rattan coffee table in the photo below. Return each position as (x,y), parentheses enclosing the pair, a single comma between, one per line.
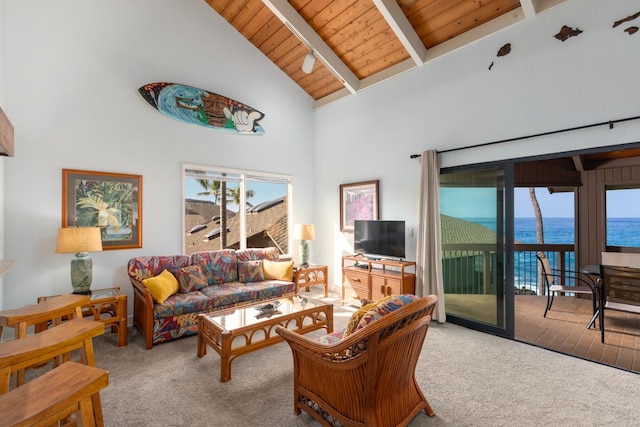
(240,330)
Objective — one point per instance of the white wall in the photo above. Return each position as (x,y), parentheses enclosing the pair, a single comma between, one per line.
(455,101)
(72,70)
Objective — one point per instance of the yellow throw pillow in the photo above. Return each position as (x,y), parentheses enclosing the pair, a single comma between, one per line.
(278,270)
(162,286)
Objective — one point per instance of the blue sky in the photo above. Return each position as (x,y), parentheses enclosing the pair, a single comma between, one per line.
(480,203)
(263,191)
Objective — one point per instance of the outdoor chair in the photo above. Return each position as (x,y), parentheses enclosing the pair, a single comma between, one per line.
(368,377)
(619,285)
(562,281)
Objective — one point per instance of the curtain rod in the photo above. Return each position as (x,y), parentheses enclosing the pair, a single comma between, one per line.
(610,123)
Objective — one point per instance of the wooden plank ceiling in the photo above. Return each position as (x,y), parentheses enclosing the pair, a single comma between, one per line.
(359,43)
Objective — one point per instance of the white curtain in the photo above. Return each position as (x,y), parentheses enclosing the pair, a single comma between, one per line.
(429,255)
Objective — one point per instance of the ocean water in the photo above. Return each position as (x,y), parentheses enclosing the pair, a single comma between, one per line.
(620,232)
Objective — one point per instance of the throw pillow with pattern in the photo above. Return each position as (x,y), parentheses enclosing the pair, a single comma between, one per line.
(250,271)
(190,279)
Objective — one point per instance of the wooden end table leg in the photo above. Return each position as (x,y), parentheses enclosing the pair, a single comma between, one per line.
(202,345)
(122,323)
(225,356)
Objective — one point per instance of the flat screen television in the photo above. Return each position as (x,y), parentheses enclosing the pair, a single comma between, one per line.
(382,238)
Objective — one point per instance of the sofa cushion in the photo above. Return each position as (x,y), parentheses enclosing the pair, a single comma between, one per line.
(251,254)
(180,304)
(150,266)
(161,286)
(218,266)
(384,308)
(250,271)
(233,293)
(278,270)
(190,278)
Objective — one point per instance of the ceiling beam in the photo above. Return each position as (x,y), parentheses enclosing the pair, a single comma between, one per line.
(301,29)
(578,163)
(528,8)
(403,29)
(451,45)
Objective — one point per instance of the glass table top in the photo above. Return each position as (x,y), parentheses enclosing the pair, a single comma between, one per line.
(250,315)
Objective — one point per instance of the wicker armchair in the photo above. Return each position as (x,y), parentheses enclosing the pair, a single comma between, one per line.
(368,377)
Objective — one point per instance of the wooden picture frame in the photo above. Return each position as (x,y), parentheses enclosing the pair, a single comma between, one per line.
(358,200)
(111,201)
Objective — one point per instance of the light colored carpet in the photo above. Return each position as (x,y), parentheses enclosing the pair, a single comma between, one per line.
(470,379)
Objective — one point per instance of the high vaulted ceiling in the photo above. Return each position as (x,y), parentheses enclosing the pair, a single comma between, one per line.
(359,43)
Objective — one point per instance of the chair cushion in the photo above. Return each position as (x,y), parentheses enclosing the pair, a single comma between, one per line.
(384,308)
(250,271)
(357,316)
(278,270)
(332,338)
(161,286)
(190,279)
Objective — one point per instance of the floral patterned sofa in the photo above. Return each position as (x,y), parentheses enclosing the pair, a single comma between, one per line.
(206,281)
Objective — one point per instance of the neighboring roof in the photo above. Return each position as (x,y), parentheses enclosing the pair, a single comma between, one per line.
(270,222)
(456,230)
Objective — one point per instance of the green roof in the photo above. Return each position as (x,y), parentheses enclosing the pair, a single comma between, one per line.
(456,230)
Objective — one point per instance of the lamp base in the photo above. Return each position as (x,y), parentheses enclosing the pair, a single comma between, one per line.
(304,253)
(81,272)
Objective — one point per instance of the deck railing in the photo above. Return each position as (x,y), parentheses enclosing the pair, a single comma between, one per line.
(471,268)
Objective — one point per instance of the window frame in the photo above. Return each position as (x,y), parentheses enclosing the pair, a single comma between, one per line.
(244,176)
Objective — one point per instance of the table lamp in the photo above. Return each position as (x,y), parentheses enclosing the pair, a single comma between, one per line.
(304,232)
(81,241)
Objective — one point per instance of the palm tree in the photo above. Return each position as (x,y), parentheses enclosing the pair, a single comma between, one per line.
(223,214)
(539,231)
(234,194)
(211,187)
(217,189)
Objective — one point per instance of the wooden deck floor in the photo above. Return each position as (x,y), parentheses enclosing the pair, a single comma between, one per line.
(565,330)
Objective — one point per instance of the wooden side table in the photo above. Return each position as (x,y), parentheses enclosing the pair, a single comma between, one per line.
(109,306)
(304,277)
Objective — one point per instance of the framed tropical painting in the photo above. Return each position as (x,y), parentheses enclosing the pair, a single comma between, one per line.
(358,200)
(110,201)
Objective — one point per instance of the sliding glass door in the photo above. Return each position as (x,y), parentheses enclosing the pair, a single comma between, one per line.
(476,207)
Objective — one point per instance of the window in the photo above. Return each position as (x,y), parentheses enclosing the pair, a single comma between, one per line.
(231,209)
(623,217)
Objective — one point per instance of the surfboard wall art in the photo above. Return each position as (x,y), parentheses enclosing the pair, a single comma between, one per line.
(203,108)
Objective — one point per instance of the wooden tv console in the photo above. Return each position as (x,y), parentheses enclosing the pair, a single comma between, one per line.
(375,278)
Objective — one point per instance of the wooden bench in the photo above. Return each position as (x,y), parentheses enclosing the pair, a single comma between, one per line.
(54,396)
(59,341)
(54,309)
(54,343)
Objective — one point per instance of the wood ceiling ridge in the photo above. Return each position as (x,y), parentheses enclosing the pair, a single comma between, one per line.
(246,14)
(371,43)
(337,31)
(434,21)
(266,32)
(460,26)
(362,23)
(257,22)
(328,14)
(229,10)
(280,36)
